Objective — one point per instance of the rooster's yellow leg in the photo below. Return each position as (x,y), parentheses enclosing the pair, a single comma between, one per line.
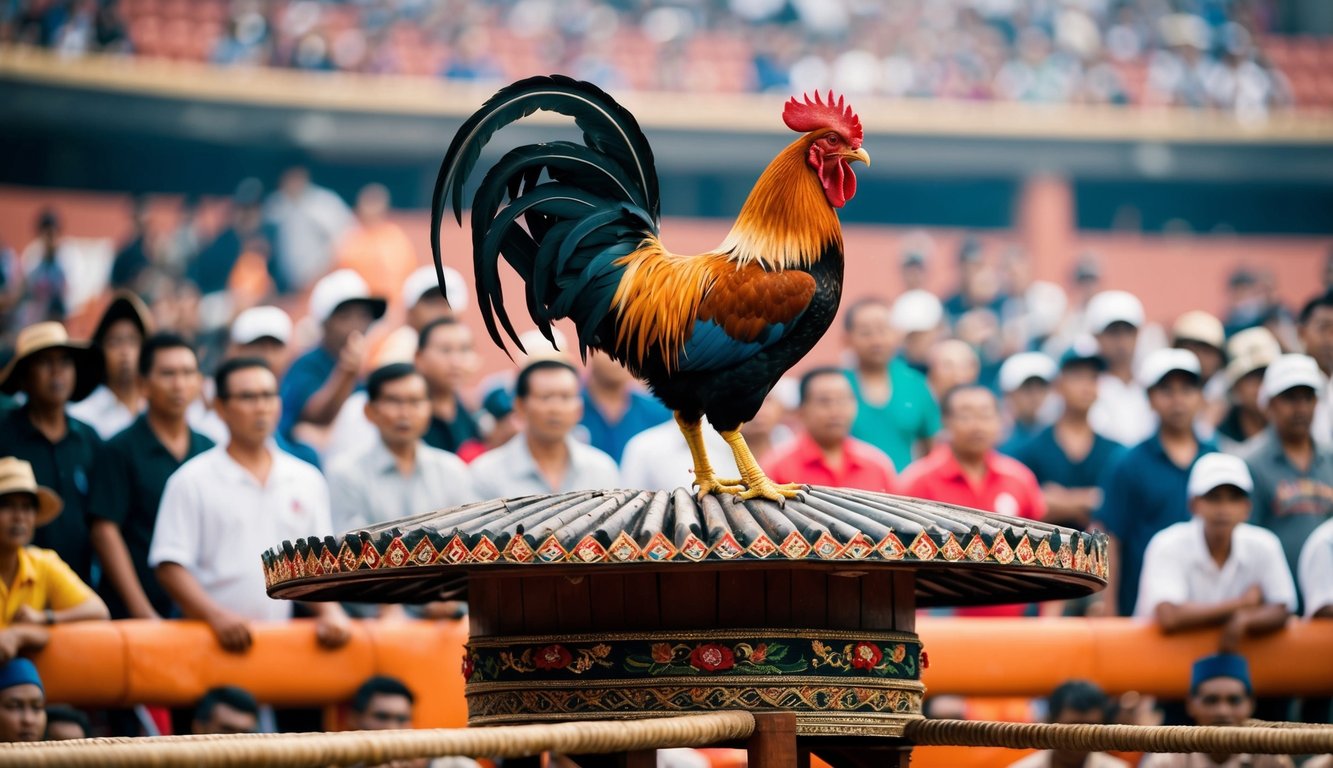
(757,484)
(704,478)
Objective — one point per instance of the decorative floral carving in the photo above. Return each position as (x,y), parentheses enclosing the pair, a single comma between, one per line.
(552,657)
(866,657)
(695,654)
(711,657)
(762,658)
(547,658)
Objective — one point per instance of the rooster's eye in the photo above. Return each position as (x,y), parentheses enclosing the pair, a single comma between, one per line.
(832,139)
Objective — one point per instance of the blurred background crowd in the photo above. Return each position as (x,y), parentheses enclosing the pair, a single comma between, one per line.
(264,317)
(1208,54)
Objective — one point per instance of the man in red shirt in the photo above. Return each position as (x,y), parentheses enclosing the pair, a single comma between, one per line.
(968,471)
(825,453)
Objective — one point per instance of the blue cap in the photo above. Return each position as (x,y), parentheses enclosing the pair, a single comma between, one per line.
(1220,665)
(499,403)
(19,672)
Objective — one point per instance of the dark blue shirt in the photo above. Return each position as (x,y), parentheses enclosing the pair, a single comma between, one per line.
(211,269)
(1144,493)
(304,378)
(1048,461)
(643,412)
(1019,436)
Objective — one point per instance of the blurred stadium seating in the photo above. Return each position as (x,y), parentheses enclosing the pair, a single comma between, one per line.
(1223,55)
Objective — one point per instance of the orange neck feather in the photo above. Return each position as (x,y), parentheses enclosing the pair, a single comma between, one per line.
(786,221)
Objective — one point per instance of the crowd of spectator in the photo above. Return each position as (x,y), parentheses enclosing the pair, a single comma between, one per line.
(144,469)
(1196,53)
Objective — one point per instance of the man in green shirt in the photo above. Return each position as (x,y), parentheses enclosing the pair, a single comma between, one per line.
(896,412)
(138,462)
(1293,475)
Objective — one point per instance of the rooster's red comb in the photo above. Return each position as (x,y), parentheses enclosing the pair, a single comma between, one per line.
(813,115)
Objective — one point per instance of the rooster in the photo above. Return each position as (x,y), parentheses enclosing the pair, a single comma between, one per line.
(710,333)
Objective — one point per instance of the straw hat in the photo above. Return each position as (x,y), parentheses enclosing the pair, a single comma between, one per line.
(16,477)
(52,335)
(124,306)
(1250,350)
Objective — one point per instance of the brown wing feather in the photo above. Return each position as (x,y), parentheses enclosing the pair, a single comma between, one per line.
(746,300)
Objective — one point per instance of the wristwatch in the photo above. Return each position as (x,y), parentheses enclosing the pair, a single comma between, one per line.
(50,616)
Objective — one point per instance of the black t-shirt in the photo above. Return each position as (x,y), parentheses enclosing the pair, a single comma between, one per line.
(137,466)
(67,467)
(450,435)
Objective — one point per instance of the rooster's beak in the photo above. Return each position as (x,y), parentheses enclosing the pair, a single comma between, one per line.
(859,154)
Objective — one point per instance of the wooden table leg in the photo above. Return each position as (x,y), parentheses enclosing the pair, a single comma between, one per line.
(773,743)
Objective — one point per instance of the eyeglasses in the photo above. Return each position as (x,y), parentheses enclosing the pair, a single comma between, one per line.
(1213,699)
(251,398)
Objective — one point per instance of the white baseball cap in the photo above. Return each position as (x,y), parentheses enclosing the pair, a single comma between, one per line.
(1288,372)
(1214,470)
(424,279)
(916,310)
(342,286)
(258,323)
(1109,307)
(1023,366)
(1166,361)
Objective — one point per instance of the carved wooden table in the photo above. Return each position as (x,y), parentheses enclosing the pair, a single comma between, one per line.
(622,603)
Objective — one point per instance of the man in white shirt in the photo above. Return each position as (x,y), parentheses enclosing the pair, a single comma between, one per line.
(1316,572)
(1121,412)
(309,221)
(224,507)
(544,457)
(1215,569)
(657,459)
(397,475)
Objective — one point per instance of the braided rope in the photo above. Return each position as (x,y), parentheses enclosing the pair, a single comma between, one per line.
(1284,724)
(283,750)
(278,750)
(1122,738)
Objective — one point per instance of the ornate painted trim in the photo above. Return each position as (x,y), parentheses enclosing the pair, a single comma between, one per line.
(811,654)
(828,707)
(1071,551)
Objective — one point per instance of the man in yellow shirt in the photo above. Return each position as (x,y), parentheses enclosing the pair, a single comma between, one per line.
(37,588)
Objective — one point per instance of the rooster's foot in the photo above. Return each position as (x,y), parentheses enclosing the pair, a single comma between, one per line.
(767,489)
(716,485)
